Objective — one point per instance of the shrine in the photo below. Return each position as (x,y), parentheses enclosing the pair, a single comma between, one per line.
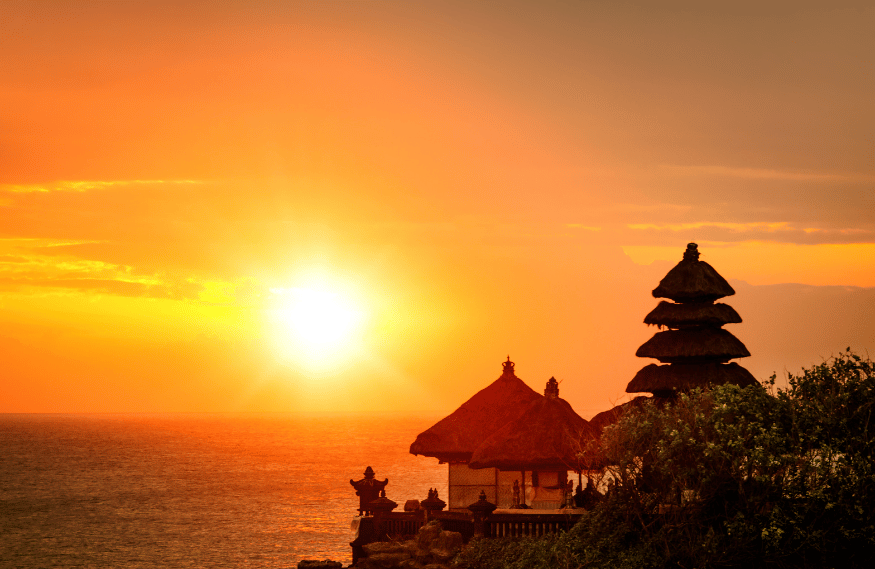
(508,434)
(509,451)
(368,489)
(695,346)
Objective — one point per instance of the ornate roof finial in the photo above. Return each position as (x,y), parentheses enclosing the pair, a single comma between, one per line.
(692,252)
(507,366)
(552,388)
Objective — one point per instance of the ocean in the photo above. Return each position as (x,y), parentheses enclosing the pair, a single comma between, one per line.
(195,490)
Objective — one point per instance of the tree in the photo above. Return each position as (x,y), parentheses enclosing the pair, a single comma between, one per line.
(732,476)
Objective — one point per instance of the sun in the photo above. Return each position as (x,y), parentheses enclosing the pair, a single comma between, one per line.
(314,327)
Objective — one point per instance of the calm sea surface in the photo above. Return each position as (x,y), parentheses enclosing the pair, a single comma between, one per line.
(194,490)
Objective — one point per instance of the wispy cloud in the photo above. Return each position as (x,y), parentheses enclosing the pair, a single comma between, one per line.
(34,272)
(41,242)
(769,174)
(735,227)
(30,271)
(649,208)
(30,266)
(582,226)
(44,266)
(845,231)
(144,288)
(782,231)
(85,185)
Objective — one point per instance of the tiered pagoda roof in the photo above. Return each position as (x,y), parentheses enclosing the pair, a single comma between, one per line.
(682,316)
(699,345)
(695,346)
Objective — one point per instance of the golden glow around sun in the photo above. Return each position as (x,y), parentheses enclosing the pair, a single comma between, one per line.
(315,328)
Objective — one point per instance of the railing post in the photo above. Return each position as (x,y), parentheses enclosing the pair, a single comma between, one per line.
(481,510)
(432,504)
(381,508)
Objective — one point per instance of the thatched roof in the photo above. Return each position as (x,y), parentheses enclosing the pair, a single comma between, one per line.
(693,280)
(549,434)
(692,314)
(693,345)
(612,415)
(668,378)
(455,437)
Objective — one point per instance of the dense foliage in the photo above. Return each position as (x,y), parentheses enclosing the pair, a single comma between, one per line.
(729,477)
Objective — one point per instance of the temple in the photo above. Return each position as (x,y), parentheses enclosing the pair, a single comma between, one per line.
(510,450)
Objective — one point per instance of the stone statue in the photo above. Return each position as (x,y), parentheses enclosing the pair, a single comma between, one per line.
(579,500)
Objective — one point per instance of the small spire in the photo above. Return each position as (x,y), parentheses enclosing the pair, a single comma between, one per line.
(507,366)
(552,388)
(692,252)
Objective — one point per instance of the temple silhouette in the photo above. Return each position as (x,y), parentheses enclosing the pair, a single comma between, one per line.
(506,432)
(509,449)
(695,346)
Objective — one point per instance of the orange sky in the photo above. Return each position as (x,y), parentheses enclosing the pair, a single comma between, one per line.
(476,180)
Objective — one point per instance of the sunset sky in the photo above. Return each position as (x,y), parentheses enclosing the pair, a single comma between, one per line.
(337,207)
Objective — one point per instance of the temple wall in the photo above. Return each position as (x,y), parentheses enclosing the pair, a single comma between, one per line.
(543,498)
(505,487)
(465,485)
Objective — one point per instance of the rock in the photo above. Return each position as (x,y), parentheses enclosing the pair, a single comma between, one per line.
(314,564)
(378,547)
(431,549)
(389,560)
(442,555)
(423,556)
(428,534)
(448,540)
